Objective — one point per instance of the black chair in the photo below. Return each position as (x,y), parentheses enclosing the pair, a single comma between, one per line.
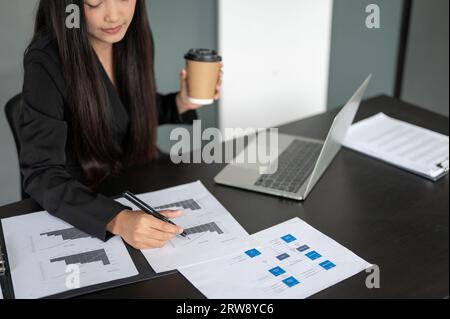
(12,110)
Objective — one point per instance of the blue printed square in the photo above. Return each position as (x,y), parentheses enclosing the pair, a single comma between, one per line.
(303,248)
(288,238)
(277,271)
(253,253)
(291,282)
(313,255)
(327,265)
(283,256)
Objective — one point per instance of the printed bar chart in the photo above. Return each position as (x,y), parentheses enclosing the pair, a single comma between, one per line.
(85,258)
(211,227)
(67,234)
(186,204)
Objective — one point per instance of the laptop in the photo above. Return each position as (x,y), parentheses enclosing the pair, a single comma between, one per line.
(301,161)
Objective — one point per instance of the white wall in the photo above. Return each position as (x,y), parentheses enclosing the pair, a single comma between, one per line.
(276,60)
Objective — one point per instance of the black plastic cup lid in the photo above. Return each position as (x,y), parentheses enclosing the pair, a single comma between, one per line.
(203,55)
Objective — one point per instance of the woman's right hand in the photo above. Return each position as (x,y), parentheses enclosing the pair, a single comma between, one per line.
(143,231)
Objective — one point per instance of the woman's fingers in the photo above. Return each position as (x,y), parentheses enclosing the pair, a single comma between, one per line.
(183,77)
(171,213)
(161,236)
(165,227)
(219,87)
(144,231)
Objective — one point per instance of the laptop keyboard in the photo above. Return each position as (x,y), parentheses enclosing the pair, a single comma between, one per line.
(295,165)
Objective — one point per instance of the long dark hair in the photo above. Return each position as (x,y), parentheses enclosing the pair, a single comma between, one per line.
(86,95)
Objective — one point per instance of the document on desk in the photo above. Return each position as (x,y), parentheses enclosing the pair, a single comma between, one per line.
(404,145)
(211,229)
(287,261)
(48,256)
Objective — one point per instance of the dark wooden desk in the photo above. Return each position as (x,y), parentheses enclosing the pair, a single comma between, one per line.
(389,217)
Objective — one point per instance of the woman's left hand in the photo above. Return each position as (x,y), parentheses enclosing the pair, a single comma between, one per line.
(182,97)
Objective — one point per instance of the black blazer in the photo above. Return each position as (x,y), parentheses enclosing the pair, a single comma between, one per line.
(52,175)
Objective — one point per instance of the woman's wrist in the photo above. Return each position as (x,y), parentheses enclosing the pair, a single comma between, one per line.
(114,226)
(180,105)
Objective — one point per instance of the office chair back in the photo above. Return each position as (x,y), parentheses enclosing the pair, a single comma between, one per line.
(12,111)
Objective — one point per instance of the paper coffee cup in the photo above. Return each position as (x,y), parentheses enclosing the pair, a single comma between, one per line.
(203,74)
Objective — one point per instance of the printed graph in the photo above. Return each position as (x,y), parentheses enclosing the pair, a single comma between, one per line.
(85,258)
(186,204)
(67,234)
(210,227)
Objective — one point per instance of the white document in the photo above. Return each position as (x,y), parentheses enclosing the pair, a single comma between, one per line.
(46,254)
(211,229)
(290,260)
(407,146)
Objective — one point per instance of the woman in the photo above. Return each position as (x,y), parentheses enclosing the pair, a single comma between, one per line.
(90,108)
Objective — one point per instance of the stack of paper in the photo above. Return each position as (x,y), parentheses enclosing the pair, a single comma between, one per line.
(291,260)
(404,145)
(48,256)
(211,229)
